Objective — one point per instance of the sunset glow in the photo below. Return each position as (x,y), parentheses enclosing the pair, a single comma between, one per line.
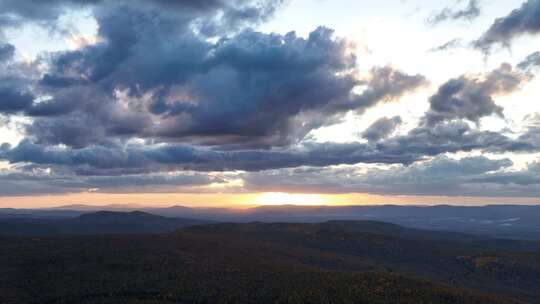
(279,198)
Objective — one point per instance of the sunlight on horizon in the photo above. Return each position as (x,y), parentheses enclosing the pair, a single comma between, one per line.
(244,200)
(283,198)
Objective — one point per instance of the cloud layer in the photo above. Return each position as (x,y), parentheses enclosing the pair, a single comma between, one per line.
(189,95)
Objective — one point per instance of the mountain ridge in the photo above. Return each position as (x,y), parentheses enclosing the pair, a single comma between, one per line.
(100,222)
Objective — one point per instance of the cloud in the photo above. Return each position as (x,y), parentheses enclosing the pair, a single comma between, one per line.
(154,47)
(440,176)
(39,10)
(471,98)
(527,177)
(137,158)
(174,95)
(13,100)
(112,170)
(451,137)
(532,129)
(6,51)
(213,13)
(118,159)
(381,128)
(533,60)
(258,84)
(387,84)
(153,76)
(237,101)
(521,21)
(469,176)
(471,12)
(16,94)
(452,44)
(37,181)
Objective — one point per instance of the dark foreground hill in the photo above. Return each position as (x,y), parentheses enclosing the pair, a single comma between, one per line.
(101,222)
(333,262)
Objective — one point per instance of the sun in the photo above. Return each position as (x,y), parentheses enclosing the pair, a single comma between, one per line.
(283,198)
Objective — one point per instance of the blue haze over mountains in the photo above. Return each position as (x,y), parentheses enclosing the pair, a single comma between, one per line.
(500,221)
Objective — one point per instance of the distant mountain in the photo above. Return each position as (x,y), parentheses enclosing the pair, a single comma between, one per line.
(499,221)
(110,207)
(101,222)
(38,213)
(331,262)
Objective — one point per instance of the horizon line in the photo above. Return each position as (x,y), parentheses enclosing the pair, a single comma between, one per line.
(134,207)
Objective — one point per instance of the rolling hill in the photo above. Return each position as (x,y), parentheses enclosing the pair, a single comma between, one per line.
(496,221)
(101,222)
(331,262)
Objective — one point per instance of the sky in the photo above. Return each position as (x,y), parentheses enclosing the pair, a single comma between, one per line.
(264,102)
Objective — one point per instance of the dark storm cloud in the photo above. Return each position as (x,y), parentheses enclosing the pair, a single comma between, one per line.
(272,90)
(81,117)
(521,21)
(382,128)
(154,74)
(472,98)
(97,157)
(472,11)
(160,49)
(16,92)
(76,130)
(249,89)
(257,84)
(140,48)
(115,159)
(12,100)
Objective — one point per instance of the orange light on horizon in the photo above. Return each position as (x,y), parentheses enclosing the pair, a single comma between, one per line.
(283,198)
(244,200)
